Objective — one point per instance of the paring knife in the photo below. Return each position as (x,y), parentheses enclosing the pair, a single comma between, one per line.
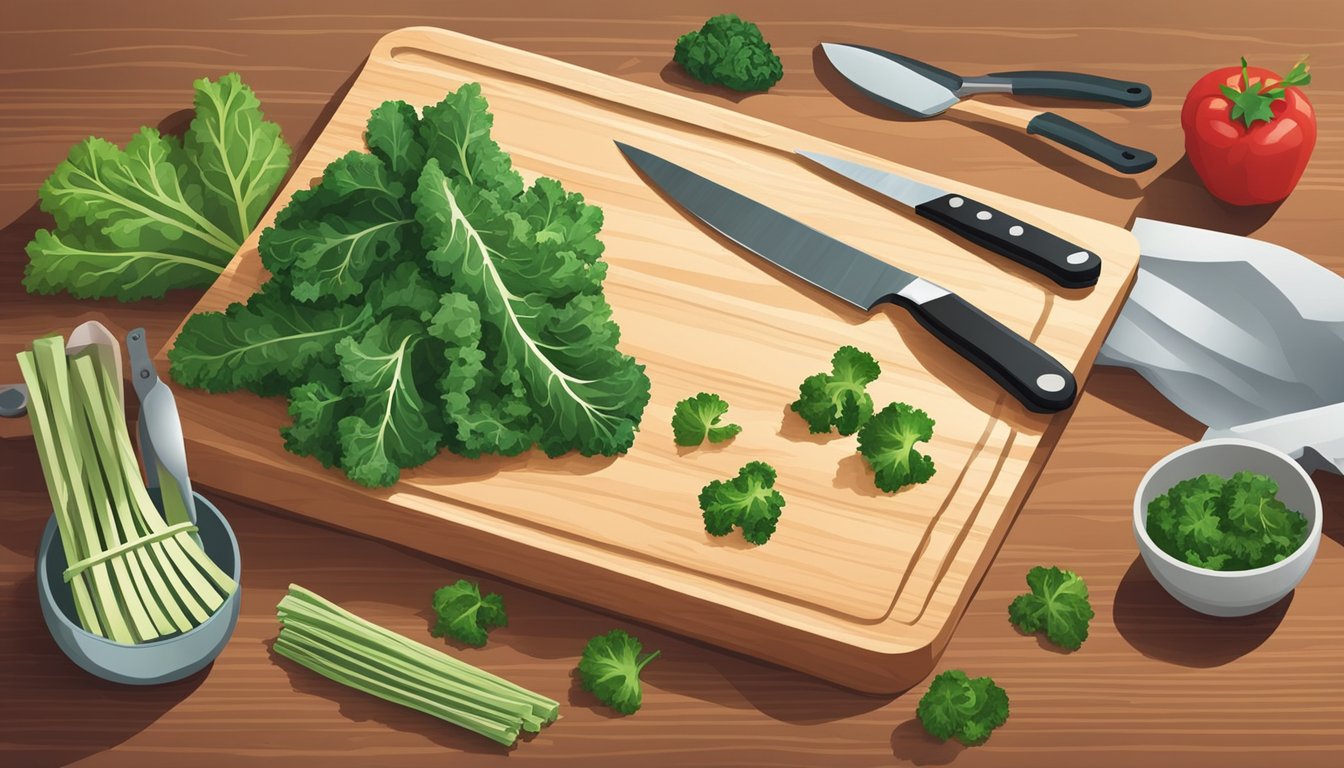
(162,449)
(888,80)
(1064,85)
(1069,265)
(1035,378)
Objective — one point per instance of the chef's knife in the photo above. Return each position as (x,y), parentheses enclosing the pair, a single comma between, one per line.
(1064,85)
(1035,378)
(1067,264)
(162,449)
(891,82)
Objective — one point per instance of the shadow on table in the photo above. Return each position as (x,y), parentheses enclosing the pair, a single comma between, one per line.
(1159,627)
(1178,196)
(1127,390)
(674,75)
(909,741)
(67,711)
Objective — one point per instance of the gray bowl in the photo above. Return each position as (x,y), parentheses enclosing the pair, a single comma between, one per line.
(1229,593)
(157,661)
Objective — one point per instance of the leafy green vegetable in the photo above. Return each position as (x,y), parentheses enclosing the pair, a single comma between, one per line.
(465,615)
(162,213)
(729,51)
(1225,524)
(1056,603)
(698,418)
(610,667)
(423,297)
(839,399)
(340,646)
(957,706)
(748,501)
(888,442)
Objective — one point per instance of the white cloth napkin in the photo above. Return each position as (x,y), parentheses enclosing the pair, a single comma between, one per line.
(1245,336)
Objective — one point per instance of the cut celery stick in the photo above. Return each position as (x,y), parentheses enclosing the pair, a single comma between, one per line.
(132,587)
(53,374)
(58,490)
(343,647)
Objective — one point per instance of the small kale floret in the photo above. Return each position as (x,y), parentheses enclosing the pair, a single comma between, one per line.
(748,501)
(698,418)
(609,669)
(731,52)
(962,708)
(888,441)
(839,399)
(465,615)
(1057,603)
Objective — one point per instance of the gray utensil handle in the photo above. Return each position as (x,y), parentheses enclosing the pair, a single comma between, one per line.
(1074,136)
(1076,85)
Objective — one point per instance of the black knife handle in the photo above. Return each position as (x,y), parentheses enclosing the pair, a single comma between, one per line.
(1069,265)
(1026,371)
(1076,85)
(1074,136)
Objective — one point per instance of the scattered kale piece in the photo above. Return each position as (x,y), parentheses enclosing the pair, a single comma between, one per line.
(610,667)
(839,399)
(957,706)
(731,52)
(465,615)
(1057,603)
(888,442)
(699,418)
(748,501)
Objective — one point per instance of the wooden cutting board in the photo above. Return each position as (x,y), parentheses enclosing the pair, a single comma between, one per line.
(857,586)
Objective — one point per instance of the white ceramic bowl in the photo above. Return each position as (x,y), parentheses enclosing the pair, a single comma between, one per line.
(1229,593)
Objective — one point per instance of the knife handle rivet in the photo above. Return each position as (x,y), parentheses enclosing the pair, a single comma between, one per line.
(984,215)
(956,202)
(1050,382)
(144,374)
(1016,230)
(1078,257)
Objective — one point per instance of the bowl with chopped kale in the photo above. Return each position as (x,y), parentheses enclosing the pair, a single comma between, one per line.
(1228,527)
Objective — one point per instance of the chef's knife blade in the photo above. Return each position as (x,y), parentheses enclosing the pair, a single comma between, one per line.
(889,80)
(1035,378)
(1064,85)
(1069,265)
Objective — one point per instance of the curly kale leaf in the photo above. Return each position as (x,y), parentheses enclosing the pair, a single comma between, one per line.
(1229,524)
(888,442)
(1057,603)
(257,343)
(957,706)
(159,215)
(609,669)
(514,263)
(748,501)
(698,418)
(839,399)
(465,615)
(729,51)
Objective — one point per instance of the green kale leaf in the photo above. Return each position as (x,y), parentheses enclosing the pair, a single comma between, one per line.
(421,297)
(697,418)
(839,399)
(888,442)
(1056,603)
(1225,524)
(466,616)
(162,213)
(748,501)
(729,51)
(609,669)
(957,706)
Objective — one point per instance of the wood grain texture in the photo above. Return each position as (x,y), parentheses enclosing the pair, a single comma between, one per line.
(1154,685)
(857,586)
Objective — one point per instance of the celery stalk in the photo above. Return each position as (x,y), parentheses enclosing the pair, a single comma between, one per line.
(53,374)
(343,647)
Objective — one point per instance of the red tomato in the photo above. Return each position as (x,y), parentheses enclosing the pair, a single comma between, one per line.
(1255,164)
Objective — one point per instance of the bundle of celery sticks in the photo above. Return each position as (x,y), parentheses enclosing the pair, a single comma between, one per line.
(134,576)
